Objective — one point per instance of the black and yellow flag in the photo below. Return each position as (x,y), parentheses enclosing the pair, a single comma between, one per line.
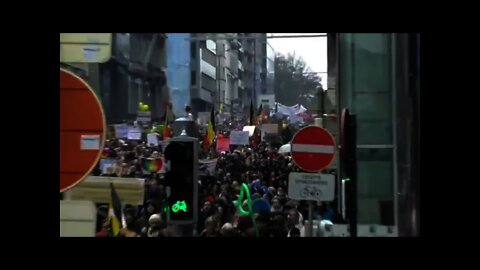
(260,110)
(115,211)
(210,135)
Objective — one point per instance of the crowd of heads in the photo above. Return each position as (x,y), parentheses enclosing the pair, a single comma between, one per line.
(260,167)
(265,172)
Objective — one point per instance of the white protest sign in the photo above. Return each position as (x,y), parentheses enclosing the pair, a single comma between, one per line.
(152,139)
(250,129)
(311,186)
(121,131)
(106,162)
(134,133)
(239,137)
(107,168)
(270,128)
(209,164)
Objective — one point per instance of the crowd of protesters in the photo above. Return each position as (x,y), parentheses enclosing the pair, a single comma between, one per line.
(259,166)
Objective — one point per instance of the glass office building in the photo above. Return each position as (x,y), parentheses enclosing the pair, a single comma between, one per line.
(378,80)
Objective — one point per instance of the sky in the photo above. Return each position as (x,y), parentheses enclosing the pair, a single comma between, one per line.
(313,50)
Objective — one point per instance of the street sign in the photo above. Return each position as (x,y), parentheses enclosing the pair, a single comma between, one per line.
(82,130)
(311,186)
(85,47)
(313,148)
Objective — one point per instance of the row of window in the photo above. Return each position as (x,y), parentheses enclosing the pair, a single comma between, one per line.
(241,76)
(249,56)
(193,80)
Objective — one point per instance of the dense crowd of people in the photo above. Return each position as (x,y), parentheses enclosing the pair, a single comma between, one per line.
(260,166)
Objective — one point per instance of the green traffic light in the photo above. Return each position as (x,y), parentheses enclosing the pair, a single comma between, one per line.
(345,179)
(179,205)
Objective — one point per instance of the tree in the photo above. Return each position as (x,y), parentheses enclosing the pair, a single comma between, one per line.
(294,82)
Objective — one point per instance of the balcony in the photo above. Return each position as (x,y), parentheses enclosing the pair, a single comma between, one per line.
(202,94)
(208,69)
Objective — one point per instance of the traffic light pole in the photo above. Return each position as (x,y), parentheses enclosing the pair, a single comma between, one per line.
(181,180)
(351,171)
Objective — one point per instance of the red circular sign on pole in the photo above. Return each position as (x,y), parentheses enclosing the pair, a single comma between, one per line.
(82,129)
(313,148)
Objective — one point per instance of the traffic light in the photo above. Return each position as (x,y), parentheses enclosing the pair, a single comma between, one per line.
(348,156)
(181,180)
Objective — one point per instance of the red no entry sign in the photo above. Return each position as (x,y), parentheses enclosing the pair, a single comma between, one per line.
(82,130)
(313,148)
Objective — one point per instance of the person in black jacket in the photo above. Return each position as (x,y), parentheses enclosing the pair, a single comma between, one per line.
(149,208)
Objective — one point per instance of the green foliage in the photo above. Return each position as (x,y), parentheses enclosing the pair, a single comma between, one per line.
(293,81)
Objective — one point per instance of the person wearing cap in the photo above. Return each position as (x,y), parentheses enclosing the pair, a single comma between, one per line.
(156,226)
(149,209)
(295,220)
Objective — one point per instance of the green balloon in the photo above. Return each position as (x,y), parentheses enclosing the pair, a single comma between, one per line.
(244,191)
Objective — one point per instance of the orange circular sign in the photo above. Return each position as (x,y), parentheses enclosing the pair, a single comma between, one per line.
(82,129)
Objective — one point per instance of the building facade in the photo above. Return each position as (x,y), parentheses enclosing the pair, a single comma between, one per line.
(136,73)
(253,56)
(228,71)
(378,80)
(270,69)
(179,74)
(207,64)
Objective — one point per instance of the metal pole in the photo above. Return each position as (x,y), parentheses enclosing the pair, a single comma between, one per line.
(217,60)
(352,208)
(254,71)
(310,219)
(322,105)
(309,231)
